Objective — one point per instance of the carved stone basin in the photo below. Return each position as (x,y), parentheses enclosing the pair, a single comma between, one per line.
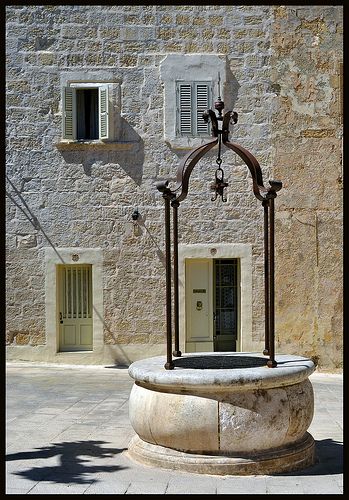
(223,413)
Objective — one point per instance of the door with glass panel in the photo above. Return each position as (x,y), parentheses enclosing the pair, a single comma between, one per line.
(225,314)
(75,307)
(212,302)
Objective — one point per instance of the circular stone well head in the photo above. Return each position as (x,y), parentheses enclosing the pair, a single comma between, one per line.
(223,413)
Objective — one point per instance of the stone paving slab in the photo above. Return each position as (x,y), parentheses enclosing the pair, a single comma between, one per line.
(107,488)
(68,431)
(242,484)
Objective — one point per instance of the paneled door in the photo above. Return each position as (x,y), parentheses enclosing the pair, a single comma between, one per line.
(199,327)
(212,302)
(75,307)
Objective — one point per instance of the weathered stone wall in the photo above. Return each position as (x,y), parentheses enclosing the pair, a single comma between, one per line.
(85,197)
(307,55)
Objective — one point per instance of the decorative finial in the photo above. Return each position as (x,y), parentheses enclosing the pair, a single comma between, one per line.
(219,104)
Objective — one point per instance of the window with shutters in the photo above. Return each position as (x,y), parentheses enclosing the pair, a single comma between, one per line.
(86,112)
(193,98)
(190,83)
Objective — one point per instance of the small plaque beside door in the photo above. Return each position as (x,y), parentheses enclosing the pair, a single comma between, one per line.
(199,290)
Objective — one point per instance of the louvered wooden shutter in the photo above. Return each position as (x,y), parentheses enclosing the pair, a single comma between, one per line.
(103,113)
(193,98)
(69,113)
(185,122)
(202,104)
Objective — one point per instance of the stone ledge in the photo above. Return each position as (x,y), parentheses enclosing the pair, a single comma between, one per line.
(295,456)
(94,145)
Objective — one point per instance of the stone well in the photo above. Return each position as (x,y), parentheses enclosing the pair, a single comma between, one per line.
(223,413)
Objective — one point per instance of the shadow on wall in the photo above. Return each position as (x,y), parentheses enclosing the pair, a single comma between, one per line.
(231,91)
(114,153)
(26,210)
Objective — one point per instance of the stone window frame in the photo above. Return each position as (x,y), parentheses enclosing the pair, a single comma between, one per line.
(188,68)
(70,95)
(94,79)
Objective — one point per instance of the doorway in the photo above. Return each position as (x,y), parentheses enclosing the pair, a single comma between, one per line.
(225,313)
(74,283)
(212,304)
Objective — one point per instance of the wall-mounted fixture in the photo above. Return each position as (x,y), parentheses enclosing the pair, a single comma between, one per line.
(135,216)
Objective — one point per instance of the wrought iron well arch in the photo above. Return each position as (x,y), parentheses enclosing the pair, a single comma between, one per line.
(173,198)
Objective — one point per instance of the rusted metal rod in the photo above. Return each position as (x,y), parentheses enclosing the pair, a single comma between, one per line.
(176,351)
(169,363)
(271,362)
(266,276)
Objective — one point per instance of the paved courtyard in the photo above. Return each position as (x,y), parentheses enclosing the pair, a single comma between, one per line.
(68,431)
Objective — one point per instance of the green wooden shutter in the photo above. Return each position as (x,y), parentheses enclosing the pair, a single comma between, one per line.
(202,95)
(69,113)
(103,113)
(185,119)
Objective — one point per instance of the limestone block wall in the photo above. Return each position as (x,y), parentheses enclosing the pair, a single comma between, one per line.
(307,141)
(285,89)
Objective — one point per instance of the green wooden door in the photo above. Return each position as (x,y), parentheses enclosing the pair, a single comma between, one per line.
(75,307)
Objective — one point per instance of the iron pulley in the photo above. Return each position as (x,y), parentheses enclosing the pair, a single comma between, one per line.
(219,184)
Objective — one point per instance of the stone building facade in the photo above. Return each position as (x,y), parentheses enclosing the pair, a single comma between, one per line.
(70,232)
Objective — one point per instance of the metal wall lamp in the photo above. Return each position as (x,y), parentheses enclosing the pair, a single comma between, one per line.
(135,216)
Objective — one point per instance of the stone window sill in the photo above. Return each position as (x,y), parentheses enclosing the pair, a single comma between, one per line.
(67,145)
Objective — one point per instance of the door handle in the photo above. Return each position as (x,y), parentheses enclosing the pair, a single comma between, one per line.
(60,318)
(214,316)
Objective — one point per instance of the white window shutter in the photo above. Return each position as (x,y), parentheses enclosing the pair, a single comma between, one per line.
(69,113)
(185,109)
(103,113)
(202,103)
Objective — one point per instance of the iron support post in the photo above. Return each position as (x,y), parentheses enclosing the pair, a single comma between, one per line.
(271,362)
(176,351)
(266,275)
(169,363)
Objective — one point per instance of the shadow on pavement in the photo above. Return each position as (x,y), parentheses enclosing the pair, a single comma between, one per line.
(73,468)
(328,460)
(119,367)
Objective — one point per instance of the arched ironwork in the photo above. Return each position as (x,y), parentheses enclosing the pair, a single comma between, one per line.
(173,198)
